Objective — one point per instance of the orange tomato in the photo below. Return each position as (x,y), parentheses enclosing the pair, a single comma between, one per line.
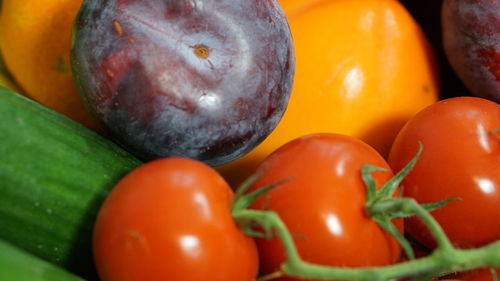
(363,68)
(36,39)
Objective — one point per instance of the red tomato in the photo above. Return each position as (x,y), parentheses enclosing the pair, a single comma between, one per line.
(323,204)
(480,274)
(170,220)
(461,157)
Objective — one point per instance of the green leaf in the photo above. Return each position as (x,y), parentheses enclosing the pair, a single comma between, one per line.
(243,188)
(386,223)
(366,175)
(404,213)
(246,200)
(257,234)
(436,205)
(390,186)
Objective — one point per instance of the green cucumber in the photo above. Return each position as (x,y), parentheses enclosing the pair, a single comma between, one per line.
(18,265)
(54,175)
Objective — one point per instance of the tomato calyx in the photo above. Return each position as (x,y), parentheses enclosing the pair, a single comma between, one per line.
(382,206)
(242,200)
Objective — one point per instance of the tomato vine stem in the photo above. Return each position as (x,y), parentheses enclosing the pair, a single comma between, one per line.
(443,260)
(382,206)
(409,205)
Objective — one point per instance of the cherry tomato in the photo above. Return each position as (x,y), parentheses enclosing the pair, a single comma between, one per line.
(323,203)
(480,274)
(170,220)
(461,158)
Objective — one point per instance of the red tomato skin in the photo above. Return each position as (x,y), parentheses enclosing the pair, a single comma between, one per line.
(170,220)
(461,157)
(479,274)
(323,204)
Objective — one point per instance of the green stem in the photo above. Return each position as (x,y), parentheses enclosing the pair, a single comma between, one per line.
(407,205)
(439,262)
(389,227)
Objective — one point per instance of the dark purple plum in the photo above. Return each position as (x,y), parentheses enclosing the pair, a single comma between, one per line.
(204,79)
(471,40)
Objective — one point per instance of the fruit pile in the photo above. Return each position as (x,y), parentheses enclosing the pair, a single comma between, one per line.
(285,140)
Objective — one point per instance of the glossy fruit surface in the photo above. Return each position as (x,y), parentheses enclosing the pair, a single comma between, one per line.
(364,68)
(460,158)
(170,220)
(207,80)
(480,274)
(471,36)
(323,203)
(35,43)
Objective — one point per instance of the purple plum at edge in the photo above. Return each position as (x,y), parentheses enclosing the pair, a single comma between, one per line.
(471,40)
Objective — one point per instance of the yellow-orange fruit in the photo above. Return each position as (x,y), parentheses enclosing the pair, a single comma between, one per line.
(363,68)
(36,39)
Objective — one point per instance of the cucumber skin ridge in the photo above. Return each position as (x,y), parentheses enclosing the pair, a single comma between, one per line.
(54,175)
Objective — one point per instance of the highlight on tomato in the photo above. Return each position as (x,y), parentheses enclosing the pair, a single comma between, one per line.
(170,220)
(323,203)
(461,158)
